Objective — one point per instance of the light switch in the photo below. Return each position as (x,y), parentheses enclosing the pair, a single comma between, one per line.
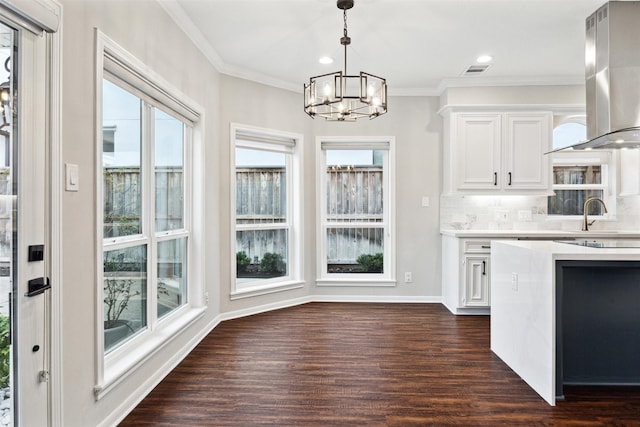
(425,201)
(72,177)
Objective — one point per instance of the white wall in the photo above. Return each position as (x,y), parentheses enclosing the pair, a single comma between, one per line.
(144,29)
(417,128)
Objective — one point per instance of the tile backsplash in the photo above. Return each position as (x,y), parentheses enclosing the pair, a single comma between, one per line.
(527,213)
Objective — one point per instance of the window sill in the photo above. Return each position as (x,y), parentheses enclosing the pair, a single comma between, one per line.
(361,282)
(253,291)
(127,359)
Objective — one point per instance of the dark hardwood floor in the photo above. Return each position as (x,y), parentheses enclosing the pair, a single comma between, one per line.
(353,364)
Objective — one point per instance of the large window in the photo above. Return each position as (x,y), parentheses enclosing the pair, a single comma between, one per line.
(266,210)
(144,228)
(356,194)
(145,214)
(578,175)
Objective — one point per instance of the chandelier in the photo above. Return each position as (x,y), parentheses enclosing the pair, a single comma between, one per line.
(341,97)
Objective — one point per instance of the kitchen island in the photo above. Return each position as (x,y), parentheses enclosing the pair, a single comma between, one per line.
(548,295)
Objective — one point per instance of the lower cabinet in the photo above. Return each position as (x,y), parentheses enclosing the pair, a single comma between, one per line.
(466,275)
(476,281)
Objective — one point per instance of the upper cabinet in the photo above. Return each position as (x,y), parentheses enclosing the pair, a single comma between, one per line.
(498,152)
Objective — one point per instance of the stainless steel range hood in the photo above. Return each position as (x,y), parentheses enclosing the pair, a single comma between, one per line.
(612,59)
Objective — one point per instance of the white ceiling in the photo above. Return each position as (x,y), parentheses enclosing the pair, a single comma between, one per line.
(419,46)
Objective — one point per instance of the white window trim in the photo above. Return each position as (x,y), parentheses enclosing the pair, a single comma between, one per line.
(589,157)
(124,360)
(388,278)
(278,141)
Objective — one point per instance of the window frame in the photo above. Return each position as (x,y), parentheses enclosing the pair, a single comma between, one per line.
(290,144)
(388,277)
(118,66)
(604,158)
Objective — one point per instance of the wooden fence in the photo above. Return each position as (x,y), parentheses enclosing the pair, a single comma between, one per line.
(354,204)
(354,196)
(123,200)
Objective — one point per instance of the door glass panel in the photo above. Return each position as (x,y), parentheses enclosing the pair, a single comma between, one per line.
(8,238)
(121,159)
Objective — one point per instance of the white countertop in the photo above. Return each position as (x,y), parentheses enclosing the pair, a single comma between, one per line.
(537,234)
(563,251)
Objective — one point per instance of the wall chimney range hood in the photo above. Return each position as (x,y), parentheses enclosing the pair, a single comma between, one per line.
(612,60)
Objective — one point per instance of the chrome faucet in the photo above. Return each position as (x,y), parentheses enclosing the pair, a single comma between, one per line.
(585,222)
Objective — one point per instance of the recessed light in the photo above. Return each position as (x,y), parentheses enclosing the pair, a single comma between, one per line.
(483,59)
(325,60)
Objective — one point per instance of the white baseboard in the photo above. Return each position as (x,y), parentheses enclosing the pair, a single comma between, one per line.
(264,308)
(377,298)
(147,386)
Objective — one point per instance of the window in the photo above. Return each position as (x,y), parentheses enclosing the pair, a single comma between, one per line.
(356,221)
(146,293)
(139,251)
(266,210)
(578,175)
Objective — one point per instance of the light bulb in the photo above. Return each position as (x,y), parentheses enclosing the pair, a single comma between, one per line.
(370,90)
(327,90)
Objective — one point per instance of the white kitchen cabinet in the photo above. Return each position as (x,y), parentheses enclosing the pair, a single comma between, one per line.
(466,274)
(476,281)
(477,157)
(498,152)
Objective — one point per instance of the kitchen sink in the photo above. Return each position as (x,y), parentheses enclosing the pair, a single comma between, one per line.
(601,243)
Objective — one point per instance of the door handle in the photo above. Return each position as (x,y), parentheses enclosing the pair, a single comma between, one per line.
(484,268)
(37,286)
(509,178)
(495,178)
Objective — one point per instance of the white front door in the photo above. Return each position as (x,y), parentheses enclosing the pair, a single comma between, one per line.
(23,224)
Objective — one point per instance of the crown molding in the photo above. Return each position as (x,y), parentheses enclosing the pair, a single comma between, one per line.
(179,16)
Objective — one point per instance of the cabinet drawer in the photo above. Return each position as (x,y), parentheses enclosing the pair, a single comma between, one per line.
(477,246)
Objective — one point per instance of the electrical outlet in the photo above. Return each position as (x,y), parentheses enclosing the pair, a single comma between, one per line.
(514,281)
(524,215)
(206,297)
(408,278)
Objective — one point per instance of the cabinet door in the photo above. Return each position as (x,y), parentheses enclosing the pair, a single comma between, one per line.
(527,138)
(478,139)
(476,285)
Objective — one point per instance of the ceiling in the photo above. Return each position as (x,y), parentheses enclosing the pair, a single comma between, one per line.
(419,46)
